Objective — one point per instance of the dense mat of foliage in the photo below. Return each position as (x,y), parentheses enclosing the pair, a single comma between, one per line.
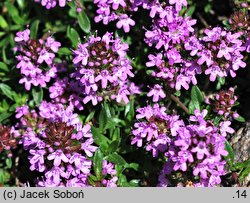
(126,93)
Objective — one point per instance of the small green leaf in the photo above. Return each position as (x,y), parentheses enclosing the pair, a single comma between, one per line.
(134,183)
(196,97)
(3,23)
(236,103)
(33,29)
(177,93)
(116,159)
(102,119)
(191,10)
(240,119)
(4,42)
(91,181)
(6,90)
(4,116)
(13,12)
(84,21)
(73,35)
(134,166)
(107,110)
(97,161)
(208,8)
(100,139)
(37,95)
(191,107)
(230,156)
(4,67)
(130,110)
(90,116)
(123,181)
(217,120)
(116,134)
(64,51)
(113,146)
(8,163)
(244,173)
(226,23)
(21,3)
(221,81)
(4,176)
(240,166)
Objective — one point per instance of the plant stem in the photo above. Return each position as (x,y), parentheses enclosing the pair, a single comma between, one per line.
(176,100)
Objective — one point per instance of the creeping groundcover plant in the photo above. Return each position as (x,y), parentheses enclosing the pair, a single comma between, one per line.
(115,93)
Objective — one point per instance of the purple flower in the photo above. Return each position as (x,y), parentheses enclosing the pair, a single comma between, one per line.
(88,147)
(224,128)
(108,168)
(214,71)
(157,93)
(111,182)
(178,4)
(81,55)
(180,163)
(125,22)
(23,36)
(52,3)
(117,3)
(22,111)
(202,170)
(37,160)
(31,55)
(193,45)
(182,81)
(52,44)
(58,156)
(155,60)
(205,56)
(224,51)
(201,150)
(105,77)
(55,174)
(81,163)
(46,56)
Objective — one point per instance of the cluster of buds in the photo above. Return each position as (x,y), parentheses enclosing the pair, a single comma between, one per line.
(240,22)
(7,140)
(223,102)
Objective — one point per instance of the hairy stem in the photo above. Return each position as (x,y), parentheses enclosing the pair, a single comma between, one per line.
(176,100)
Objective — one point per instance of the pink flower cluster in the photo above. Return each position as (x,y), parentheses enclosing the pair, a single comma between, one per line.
(35,59)
(52,3)
(196,148)
(217,54)
(117,10)
(103,70)
(221,52)
(60,147)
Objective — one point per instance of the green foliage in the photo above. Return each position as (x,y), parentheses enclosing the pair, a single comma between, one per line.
(197,98)
(73,35)
(98,158)
(34,29)
(84,22)
(240,119)
(111,124)
(4,177)
(230,156)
